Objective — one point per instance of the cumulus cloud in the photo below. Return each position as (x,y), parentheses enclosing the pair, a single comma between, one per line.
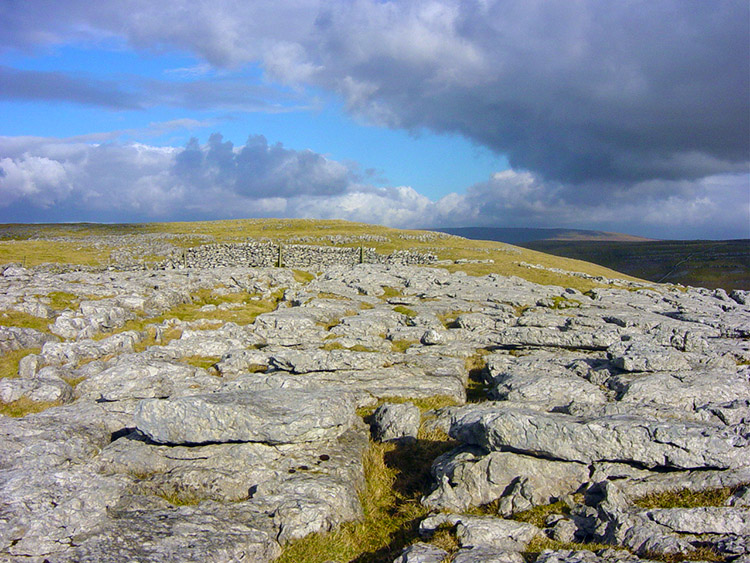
(54,179)
(716,206)
(209,181)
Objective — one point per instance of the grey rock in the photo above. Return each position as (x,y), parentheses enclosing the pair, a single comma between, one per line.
(271,416)
(29,365)
(508,535)
(564,530)
(741,497)
(16,338)
(50,439)
(306,361)
(485,554)
(468,478)
(585,556)
(237,362)
(647,482)
(555,338)
(133,378)
(627,438)
(643,356)
(37,390)
(432,337)
(396,421)
(70,353)
(421,553)
(687,389)
(43,511)
(365,386)
(703,520)
(187,533)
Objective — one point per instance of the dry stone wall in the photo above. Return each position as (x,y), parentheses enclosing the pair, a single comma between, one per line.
(269,254)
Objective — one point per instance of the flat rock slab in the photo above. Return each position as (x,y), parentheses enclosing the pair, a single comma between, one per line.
(703,520)
(274,416)
(630,439)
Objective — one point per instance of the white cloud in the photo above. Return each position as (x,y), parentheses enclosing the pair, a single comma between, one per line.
(126,182)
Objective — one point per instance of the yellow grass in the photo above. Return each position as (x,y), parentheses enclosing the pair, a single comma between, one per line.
(9,362)
(506,258)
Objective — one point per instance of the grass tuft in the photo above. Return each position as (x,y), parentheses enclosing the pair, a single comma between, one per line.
(204,362)
(24,320)
(396,477)
(24,406)
(686,498)
(9,362)
(402,345)
(411,313)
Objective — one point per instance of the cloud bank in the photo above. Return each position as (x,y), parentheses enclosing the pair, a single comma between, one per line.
(54,179)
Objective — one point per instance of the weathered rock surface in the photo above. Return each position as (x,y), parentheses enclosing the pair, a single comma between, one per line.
(631,439)
(272,416)
(595,400)
(393,421)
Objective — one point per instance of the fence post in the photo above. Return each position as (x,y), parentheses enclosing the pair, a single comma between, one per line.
(279,261)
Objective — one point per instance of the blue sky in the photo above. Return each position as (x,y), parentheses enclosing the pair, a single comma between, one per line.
(623,117)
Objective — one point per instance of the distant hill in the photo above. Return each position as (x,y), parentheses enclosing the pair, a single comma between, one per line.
(702,263)
(522,235)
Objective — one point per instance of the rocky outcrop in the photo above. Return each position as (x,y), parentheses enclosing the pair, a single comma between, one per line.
(198,436)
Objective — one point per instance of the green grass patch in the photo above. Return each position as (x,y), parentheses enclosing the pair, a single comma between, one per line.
(34,252)
(60,300)
(73,381)
(402,345)
(686,498)
(560,302)
(245,314)
(396,478)
(24,320)
(335,345)
(411,313)
(389,292)
(539,544)
(24,406)
(180,498)
(506,258)
(204,362)
(538,514)
(301,276)
(9,362)
(476,365)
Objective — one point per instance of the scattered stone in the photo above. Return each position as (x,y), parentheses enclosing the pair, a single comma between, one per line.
(396,421)
(421,553)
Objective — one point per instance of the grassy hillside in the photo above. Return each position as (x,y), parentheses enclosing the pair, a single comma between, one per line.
(704,263)
(519,235)
(94,244)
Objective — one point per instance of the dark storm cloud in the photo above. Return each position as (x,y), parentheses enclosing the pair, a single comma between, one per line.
(579,92)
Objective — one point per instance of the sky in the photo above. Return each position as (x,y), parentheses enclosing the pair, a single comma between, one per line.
(630,116)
